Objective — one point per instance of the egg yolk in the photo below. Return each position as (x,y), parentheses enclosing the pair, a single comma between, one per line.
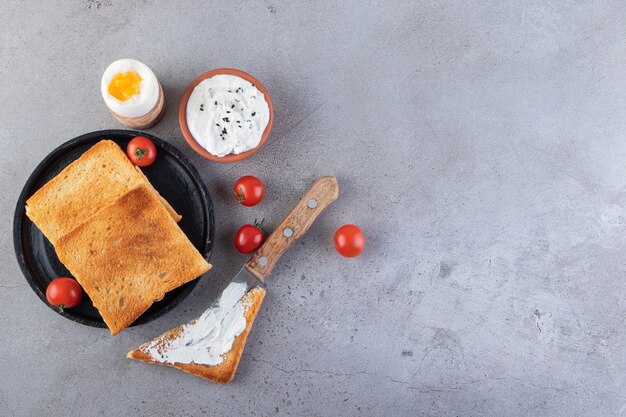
(124,85)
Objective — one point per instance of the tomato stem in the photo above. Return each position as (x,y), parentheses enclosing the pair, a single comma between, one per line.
(259,225)
(61,307)
(140,152)
(239,195)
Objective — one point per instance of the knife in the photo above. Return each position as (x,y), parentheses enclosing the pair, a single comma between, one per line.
(256,270)
(253,274)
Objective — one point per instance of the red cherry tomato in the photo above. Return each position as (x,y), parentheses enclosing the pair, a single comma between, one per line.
(349,241)
(141,151)
(249,237)
(64,293)
(249,190)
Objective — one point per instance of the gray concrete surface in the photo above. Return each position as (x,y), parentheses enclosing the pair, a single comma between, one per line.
(480,145)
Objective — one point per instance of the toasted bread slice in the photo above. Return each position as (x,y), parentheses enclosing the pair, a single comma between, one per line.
(128,255)
(225,371)
(96,179)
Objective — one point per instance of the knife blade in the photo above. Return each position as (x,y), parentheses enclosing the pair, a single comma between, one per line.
(238,287)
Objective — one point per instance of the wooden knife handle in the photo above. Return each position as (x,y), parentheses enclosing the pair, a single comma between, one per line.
(294,226)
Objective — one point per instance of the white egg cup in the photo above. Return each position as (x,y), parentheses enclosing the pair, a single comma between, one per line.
(149,119)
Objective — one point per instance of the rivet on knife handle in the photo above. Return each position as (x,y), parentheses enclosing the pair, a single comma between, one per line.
(294,226)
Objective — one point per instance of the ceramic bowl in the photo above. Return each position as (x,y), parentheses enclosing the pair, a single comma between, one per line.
(182,116)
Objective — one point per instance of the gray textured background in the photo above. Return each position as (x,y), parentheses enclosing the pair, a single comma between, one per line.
(480,145)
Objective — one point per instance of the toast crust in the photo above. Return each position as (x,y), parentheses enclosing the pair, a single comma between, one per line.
(128,255)
(97,178)
(225,371)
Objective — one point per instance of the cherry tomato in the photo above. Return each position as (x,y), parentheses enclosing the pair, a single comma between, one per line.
(64,293)
(141,151)
(249,237)
(349,241)
(249,190)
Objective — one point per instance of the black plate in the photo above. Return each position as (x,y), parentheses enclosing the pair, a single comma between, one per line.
(172,174)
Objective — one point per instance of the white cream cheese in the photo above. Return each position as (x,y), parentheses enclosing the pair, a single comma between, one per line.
(205,340)
(227,114)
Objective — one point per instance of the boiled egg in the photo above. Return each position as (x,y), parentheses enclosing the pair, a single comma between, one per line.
(129,88)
